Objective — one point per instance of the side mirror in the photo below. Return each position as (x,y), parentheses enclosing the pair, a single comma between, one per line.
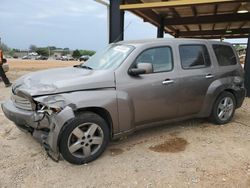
(142,68)
(148,67)
(136,71)
(4,60)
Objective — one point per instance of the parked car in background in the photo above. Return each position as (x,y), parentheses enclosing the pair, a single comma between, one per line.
(84,58)
(75,111)
(71,58)
(26,57)
(40,57)
(67,58)
(64,58)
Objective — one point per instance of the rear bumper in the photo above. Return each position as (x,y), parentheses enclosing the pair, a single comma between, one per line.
(240,96)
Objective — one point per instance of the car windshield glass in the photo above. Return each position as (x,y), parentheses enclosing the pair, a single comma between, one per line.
(109,58)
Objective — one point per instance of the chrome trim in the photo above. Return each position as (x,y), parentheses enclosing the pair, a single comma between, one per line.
(21,102)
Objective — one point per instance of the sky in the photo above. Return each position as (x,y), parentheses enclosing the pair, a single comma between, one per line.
(77,24)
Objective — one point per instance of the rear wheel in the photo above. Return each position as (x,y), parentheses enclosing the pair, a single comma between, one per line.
(224,108)
(84,139)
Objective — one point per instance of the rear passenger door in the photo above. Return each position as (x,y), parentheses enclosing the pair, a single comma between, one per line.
(197,74)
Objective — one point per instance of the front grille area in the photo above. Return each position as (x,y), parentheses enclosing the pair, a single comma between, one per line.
(21,103)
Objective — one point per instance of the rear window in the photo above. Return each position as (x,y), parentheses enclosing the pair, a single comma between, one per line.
(194,56)
(224,54)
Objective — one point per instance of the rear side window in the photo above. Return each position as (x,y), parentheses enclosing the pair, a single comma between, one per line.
(194,56)
(224,54)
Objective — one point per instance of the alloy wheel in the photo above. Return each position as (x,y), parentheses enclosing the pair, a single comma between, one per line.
(225,108)
(85,140)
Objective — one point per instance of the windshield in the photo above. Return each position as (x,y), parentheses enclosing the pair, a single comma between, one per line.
(110,58)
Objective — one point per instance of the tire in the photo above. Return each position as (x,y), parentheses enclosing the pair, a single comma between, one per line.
(84,139)
(223,108)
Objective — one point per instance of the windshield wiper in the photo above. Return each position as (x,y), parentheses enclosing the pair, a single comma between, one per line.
(86,67)
(83,66)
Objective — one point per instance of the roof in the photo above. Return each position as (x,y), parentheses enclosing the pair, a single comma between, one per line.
(171,40)
(195,18)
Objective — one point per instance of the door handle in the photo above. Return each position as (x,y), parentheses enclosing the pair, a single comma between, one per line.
(209,76)
(167,81)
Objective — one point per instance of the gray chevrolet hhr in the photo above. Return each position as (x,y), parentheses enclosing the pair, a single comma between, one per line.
(75,111)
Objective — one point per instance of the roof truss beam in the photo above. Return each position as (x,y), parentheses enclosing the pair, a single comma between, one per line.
(220,37)
(214,32)
(208,19)
(150,16)
(176,3)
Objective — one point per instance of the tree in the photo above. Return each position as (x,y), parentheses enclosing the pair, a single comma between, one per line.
(4,47)
(238,47)
(87,52)
(52,48)
(76,54)
(33,48)
(12,52)
(66,51)
(43,51)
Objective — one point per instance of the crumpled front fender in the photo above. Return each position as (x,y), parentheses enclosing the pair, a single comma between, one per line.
(57,122)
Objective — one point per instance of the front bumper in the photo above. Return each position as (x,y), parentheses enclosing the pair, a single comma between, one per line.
(45,128)
(19,116)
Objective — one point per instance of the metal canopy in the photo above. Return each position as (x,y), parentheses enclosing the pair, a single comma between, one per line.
(195,18)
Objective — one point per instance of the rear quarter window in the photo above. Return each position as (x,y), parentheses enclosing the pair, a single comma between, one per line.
(225,55)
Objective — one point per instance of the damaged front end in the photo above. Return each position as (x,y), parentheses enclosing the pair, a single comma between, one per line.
(44,117)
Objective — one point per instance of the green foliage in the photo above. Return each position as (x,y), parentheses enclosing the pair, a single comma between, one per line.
(12,52)
(76,54)
(43,51)
(66,51)
(4,47)
(239,47)
(15,50)
(47,51)
(87,52)
(52,48)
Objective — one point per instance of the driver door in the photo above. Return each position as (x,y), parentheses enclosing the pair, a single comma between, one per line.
(154,96)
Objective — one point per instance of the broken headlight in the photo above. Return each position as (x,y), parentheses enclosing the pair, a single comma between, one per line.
(50,104)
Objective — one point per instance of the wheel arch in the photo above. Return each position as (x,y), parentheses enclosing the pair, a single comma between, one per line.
(101,112)
(230,90)
(214,91)
(220,91)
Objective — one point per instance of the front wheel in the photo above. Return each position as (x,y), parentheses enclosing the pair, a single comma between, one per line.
(224,108)
(84,139)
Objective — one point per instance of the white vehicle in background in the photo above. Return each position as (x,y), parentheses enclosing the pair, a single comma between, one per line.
(33,54)
(67,58)
(84,57)
(26,57)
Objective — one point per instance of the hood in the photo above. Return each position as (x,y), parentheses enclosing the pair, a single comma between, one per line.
(61,80)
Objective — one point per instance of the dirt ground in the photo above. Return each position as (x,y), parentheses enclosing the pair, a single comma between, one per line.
(192,153)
